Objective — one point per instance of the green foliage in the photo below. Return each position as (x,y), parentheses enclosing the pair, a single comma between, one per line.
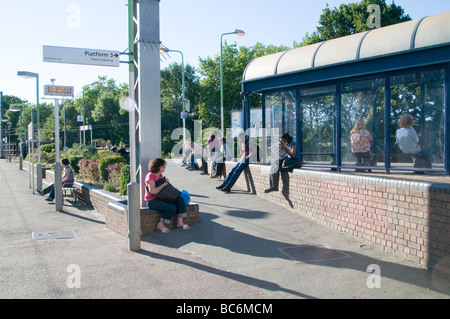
(114,177)
(350,19)
(48,147)
(89,170)
(105,162)
(124,179)
(74,163)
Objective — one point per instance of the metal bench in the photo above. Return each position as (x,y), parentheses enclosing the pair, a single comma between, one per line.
(70,191)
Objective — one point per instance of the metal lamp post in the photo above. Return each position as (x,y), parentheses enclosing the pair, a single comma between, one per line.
(239,33)
(84,112)
(31,75)
(19,109)
(166,50)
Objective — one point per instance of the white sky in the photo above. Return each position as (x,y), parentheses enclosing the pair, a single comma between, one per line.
(191,26)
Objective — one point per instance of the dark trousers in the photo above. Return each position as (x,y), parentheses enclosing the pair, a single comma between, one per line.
(51,189)
(234,174)
(168,209)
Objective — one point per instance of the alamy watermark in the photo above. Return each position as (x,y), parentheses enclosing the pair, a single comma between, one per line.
(74,19)
(74,279)
(374,19)
(374,280)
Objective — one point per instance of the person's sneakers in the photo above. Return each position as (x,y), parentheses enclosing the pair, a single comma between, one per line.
(48,199)
(226,189)
(220,186)
(271,189)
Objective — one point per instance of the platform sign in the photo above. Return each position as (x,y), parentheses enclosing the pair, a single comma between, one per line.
(184,115)
(81,56)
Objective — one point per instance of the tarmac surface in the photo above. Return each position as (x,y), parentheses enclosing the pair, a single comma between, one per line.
(243,248)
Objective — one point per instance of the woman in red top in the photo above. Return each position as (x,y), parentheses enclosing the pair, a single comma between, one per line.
(156,167)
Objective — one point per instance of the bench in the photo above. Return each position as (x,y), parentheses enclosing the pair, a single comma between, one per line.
(70,191)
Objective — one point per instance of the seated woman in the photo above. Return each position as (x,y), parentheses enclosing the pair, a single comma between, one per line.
(361,140)
(156,167)
(289,158)
(408,142)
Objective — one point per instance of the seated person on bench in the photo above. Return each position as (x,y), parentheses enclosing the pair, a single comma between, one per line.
(361,140)
(67,181)
(408,142)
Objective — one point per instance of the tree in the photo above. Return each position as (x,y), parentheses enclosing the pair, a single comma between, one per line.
(171,101)
(235,61)
(350,19)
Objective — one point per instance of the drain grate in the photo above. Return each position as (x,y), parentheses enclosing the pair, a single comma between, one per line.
(308,253)
(63,234)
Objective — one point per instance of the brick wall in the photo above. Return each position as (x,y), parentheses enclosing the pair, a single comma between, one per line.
(405,217)
(114,209)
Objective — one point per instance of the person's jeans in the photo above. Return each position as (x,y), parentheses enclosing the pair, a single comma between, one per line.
(50,189)
(234,174)
(168,209)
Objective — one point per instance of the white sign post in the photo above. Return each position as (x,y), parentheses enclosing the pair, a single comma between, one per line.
(81,56)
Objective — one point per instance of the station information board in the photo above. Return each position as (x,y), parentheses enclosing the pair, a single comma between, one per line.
(58,90)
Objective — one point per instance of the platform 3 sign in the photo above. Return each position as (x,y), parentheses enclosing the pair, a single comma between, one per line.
(81,56)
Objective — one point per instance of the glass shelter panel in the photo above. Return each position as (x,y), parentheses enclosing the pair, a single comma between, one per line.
(418,143)
(362,123)
(281,116)
(317,125)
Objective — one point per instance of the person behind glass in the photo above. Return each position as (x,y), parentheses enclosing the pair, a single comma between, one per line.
(226,155)
(157,167)
(212,148)
(67,181)
(288,159)
(248,153)
(408,141)
(361,140)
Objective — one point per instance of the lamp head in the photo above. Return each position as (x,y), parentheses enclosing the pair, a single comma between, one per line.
(163,50)
(27,75)
(240,33)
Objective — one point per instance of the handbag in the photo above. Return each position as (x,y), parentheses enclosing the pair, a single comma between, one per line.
(168,194)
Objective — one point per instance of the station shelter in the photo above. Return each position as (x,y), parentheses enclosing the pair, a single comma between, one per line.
(317,92)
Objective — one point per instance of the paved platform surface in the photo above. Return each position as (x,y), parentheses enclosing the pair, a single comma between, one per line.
(243,247)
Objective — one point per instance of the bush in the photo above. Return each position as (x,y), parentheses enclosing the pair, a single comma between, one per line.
(114,176)
(89,170)
(124,179)
(74,163)
(105,162)
(48,148)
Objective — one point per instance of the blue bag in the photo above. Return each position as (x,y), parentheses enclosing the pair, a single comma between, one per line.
(186,197)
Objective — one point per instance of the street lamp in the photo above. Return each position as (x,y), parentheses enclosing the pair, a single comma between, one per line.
(239,33)
(31,75)
(166,50)
(84,113)
(19,109)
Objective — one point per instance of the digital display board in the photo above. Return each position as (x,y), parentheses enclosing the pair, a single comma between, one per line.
(58,90)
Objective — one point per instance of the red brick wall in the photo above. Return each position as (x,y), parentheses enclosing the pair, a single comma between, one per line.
(407,218)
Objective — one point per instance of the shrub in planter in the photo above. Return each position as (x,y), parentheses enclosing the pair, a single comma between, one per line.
(89,170)
(105,162)
(124,179)
(74,163)
(114,172)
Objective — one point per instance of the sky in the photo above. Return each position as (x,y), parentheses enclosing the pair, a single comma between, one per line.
(191,26)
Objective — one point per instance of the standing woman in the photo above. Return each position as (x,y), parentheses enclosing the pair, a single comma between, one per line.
(157,166)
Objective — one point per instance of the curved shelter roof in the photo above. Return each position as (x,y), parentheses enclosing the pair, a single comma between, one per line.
(410,36)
